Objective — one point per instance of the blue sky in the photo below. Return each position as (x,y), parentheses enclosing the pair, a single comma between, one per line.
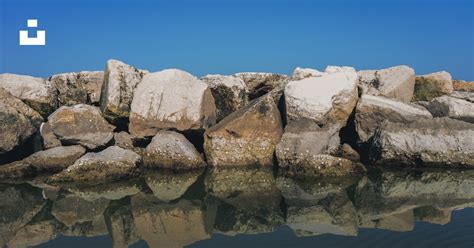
(230,36)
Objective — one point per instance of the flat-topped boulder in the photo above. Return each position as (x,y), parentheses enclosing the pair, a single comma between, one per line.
(111,164)
(329,98)
(396,82)
(245,137)
(433,85)
(18,121)
(371,111)
(78,87)
(171,99)
(440,142)
(120,81)
(260,83)
(55,159)
(452,107)
(81,125)
(171,150)
(229,92)
(35,92)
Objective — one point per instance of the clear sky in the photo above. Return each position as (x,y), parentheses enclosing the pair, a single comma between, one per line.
(230,36)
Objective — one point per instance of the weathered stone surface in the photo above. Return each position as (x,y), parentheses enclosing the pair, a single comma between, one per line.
(321,165)
(461,85)
(124,140)
(396,82)
(110,164)
(303,139)
(171,150)
(455,108)
(433,85)
(36,92)
(260,83)
(55,159)
(371,111)
(429,142)
(246,137)
(18,122)
(49,139)
(16,170)
(120,81)
(18,206)
(302,73)
(81,125)
(78,87)
(329,98)
(168,185)
(171,99)
(180,224)
(468,96)
(229,92)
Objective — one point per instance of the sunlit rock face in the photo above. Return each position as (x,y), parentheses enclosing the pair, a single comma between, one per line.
(433,85)
(452,107)
(168,225)
(19,204)
(78,87)
(168,185)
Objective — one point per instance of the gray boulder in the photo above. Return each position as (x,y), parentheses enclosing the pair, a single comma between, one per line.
(18,122)
(329,98)
(229,92)
(35,92)
(171,99)
(396,82)
(465,95)
(120,81)
(433,85)
(49,138)
(371,111)
(260,83)
(171,150)
(78,87)
(81,125)
(455,108)
(303,139)
(111,164)
(440,142)
(245,137)
(55,159)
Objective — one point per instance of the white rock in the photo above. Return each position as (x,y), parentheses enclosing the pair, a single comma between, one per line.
(302,73)
(330,97)
(455,108)
(171,99)
(36,92)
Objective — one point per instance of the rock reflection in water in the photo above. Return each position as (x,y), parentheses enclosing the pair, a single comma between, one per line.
(167,209)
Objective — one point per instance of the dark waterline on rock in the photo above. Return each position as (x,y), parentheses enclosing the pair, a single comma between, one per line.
(244,208)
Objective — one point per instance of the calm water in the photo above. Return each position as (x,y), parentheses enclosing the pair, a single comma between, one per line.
(244,208)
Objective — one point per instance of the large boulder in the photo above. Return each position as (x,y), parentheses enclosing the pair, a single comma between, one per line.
(465,95)
(461,85)
(447,106)
(246,137)
(371,111)
(171,99)
(18,122)
(81,125)
(433,85)
(229,92)
(120,81)
(111,164)
(329,98)
(171,150)
(55,159)
(303,139)
(396,82)
(36,92)
(78,87)
(260,83)
(429,142)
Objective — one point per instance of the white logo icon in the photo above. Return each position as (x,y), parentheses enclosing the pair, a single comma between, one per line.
(39,40)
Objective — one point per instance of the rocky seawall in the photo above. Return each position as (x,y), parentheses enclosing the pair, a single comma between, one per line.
(91,127)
